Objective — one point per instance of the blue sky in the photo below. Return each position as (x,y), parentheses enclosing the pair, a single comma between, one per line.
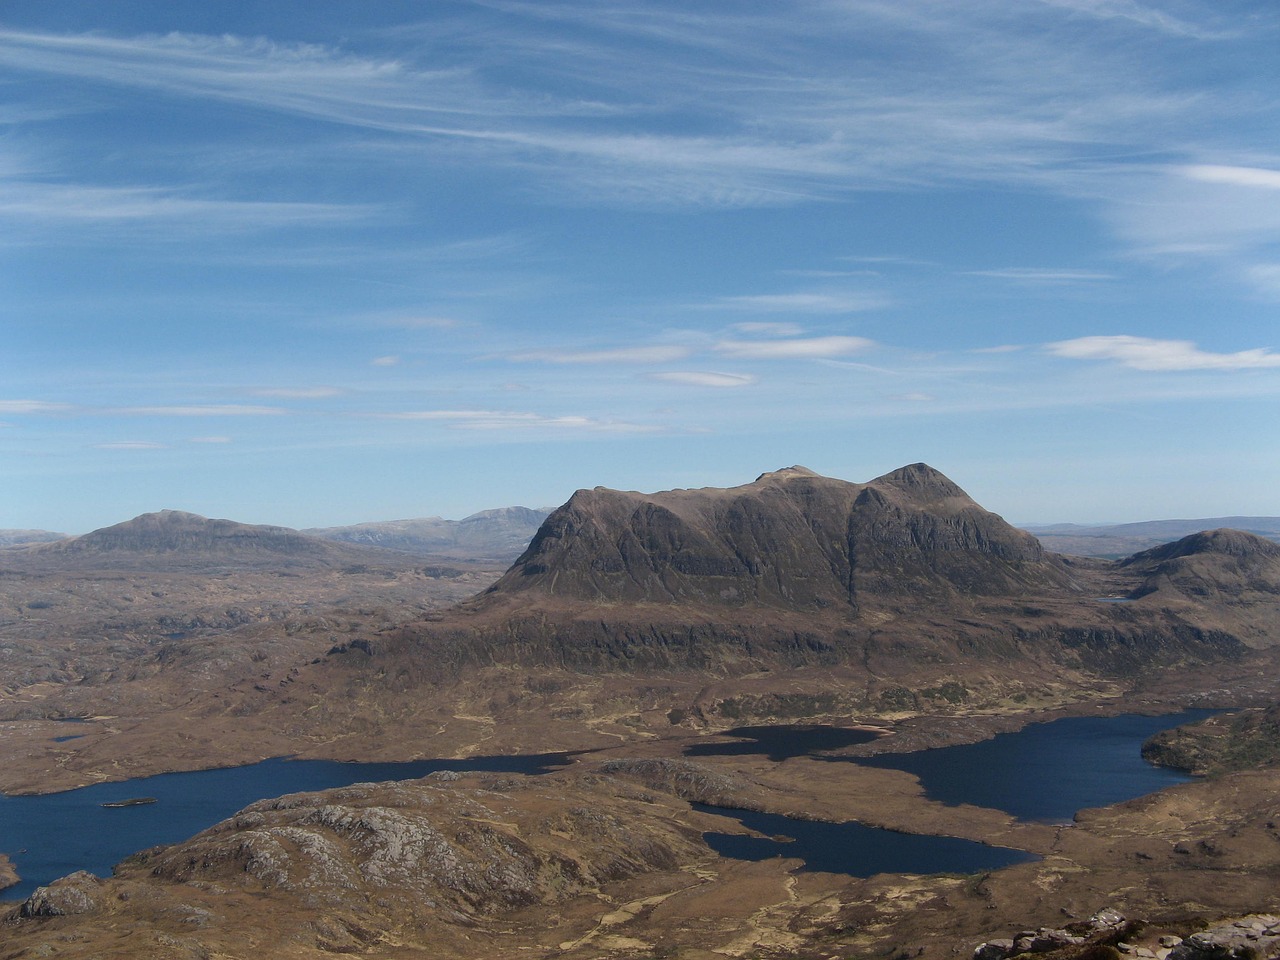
(349,260)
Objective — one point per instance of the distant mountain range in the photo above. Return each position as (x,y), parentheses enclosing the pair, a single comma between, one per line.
(1122,539)
(500,534)
(187,539)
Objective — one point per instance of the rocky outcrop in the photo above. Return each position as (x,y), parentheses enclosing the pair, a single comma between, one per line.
(686,780)
(72,895)
(1254,937)
(1109,934)
(439,846)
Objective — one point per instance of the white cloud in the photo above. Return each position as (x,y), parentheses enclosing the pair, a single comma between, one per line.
(388,361)
(1040,275)
(802,348)
(915,397)
(130,445)
(40,203)
(518,420)
(299,393)
(201,410)
(992,94)
(818,303)
(1142,353)
(648,354)
(1234,176)
(1137,13)
(33,406)
(704,378)
(767,329)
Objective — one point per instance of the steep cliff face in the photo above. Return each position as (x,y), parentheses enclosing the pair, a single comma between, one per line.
(791,539)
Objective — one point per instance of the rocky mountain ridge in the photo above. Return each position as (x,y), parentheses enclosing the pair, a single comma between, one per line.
(792,539)
(796,570)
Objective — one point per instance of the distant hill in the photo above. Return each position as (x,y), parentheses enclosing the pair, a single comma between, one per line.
(500,534)
(1117,540)
(10,538)
(173,539)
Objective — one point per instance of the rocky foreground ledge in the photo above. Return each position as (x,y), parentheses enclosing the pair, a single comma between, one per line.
(1109,935)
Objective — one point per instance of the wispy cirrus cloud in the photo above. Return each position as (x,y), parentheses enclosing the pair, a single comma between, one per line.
(130,445)
(299,393)
(658,353)
(1234,176)
(1143,15)
(796,348)
(766,112)
(516,420)
(42,203)
(803,302)
(200,410)
(33,406)
(1039,275)
(1143,353)
(703,378)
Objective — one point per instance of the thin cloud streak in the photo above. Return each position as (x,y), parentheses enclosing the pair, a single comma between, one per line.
(696,378)
(649,354)
(200,410)
(798,348)
(504,420)
(1143,353)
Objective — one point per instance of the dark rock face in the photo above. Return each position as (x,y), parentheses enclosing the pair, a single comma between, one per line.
(792,539)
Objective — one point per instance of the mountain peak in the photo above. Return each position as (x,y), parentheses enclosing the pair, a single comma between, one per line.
(787,473)
(922,478)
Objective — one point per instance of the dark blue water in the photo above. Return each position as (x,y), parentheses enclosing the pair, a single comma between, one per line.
(854,849)
(50,836)
(779,743)
(1047,771)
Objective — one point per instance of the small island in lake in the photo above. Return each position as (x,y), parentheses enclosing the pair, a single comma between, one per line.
(131,802)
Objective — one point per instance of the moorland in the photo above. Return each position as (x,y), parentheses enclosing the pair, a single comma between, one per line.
(630,627)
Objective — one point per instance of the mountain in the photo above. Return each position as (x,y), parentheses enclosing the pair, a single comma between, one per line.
(1118,540)
(792,539)
(899,577)
(10,538)
(1230,576)
(173,539)
(500,534)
